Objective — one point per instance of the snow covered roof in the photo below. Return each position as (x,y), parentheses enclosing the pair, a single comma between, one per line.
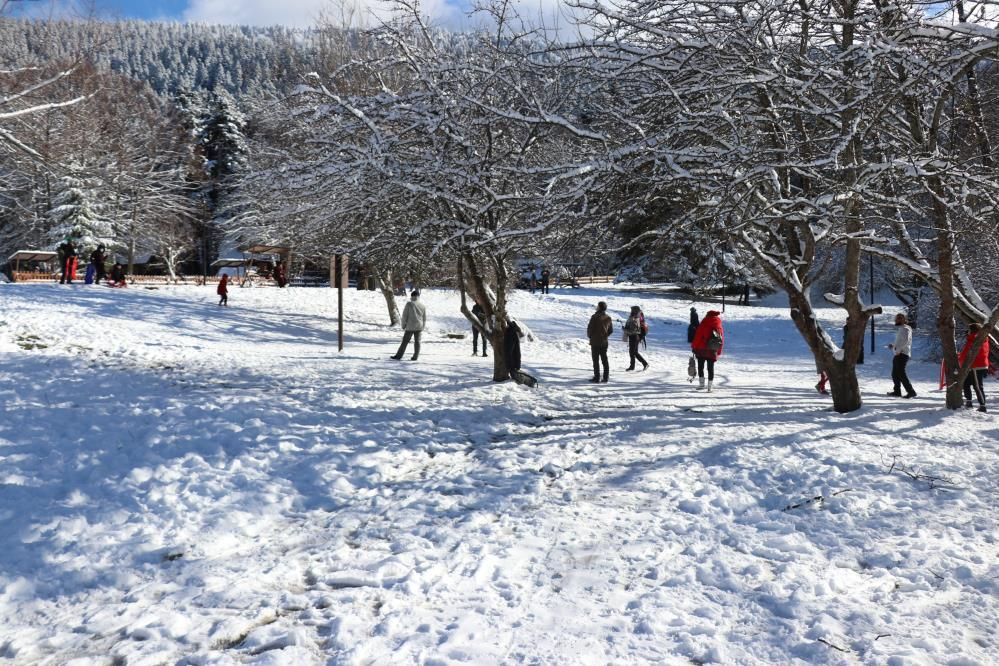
(32,255)
(228,263)
(265,249)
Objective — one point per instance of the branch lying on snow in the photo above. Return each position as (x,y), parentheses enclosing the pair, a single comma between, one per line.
(834,647)
(812,500)
(914,474)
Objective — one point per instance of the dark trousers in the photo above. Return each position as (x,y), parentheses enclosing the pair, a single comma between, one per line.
(711,368)
(544,286)
(475,342)
(224,299)
(975,380)
(633,341)
(898,375)
(599,354)
(406,337)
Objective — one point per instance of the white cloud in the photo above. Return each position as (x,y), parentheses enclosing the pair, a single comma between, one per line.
(300,13)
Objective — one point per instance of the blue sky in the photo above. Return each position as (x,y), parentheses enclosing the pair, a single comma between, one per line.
(294,13)
(168,9)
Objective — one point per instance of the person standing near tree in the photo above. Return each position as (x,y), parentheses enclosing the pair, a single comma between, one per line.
(546,276)
(599,331)
(97,259)
(480,314)
(634,329)
(67,261)
(709,338)
(975,379)
(902,350)
(511,347)
(414,320)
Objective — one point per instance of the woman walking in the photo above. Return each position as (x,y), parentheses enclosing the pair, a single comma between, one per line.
(633,329)
(707,346)
(975,378)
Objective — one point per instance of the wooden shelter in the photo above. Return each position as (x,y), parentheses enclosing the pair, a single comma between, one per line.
(32,258)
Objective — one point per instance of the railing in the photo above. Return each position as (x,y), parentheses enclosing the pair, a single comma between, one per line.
(594,279)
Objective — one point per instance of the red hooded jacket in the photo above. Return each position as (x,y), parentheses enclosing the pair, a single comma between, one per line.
(711,322)
(981,359)
(223,286)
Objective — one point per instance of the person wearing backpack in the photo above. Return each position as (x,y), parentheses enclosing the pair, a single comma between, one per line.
(707,346)
(635,329)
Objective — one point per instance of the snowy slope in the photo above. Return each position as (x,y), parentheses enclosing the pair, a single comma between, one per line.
(186,484)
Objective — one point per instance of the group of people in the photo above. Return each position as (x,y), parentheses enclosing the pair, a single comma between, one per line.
(414,320)
(96,269)
(599,330)
(706,338)
(546,277)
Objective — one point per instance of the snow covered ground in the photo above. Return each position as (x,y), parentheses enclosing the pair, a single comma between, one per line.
(186,484)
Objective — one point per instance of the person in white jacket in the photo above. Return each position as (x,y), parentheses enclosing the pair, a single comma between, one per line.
(414,320)
(902,348)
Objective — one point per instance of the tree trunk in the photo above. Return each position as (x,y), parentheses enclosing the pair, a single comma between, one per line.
(471,282)
(842,373)
(384,279)
(945,316)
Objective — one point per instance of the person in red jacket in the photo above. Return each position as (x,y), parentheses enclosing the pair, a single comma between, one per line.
(979,368)
(223,291)
(707,346)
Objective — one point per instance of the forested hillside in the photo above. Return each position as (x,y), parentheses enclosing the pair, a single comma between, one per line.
(169,56)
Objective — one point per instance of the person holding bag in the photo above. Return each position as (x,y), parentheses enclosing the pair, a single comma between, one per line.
(707,346)
(633,333)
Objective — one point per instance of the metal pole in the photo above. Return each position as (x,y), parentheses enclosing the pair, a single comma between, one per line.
(870,258)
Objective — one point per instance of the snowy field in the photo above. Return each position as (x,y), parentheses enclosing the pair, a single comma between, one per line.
(186,484)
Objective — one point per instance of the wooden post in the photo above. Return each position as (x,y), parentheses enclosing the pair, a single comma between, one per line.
(338,278)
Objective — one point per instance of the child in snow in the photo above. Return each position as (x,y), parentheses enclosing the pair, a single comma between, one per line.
(223,291)
(117,275)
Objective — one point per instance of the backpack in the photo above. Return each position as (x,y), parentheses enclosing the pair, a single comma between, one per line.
(714,341)
(642,325)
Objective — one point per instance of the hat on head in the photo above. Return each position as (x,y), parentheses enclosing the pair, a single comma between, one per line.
(416,293)
(601,306)
(635,309)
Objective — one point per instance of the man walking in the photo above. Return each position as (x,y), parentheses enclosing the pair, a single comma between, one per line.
(599,331)
(414,319)
(902,348)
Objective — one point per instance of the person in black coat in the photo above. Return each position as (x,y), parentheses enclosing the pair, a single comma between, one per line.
(67,261)
(694,323)
(97,258)
(480,314)
(511,347)
(546,276)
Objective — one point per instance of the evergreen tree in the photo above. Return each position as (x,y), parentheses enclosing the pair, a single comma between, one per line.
(76,213)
